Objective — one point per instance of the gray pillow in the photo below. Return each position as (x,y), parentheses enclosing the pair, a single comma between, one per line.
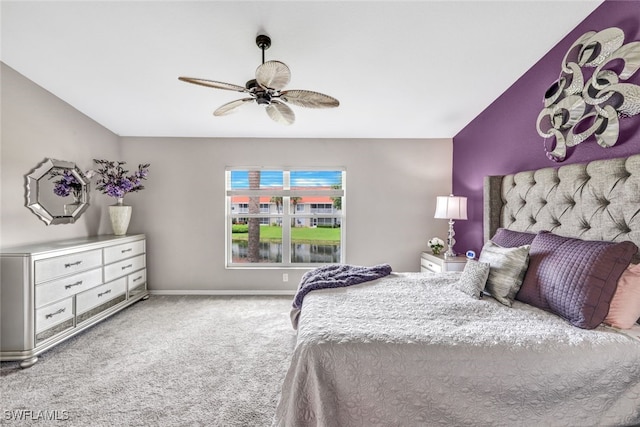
(508,266)
(474,278)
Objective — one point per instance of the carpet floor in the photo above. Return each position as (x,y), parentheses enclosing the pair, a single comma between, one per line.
(166,361)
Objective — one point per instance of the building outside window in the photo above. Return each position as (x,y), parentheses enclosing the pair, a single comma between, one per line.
(284,217)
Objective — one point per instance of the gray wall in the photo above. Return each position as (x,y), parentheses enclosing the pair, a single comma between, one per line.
(37,125)
(391,190)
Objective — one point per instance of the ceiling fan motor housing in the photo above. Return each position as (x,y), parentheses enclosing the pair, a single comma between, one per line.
(262,97)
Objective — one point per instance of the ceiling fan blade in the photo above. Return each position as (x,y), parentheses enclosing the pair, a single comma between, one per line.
(309,99)
(273,75)
(280,112)
(213,84)
(230,107)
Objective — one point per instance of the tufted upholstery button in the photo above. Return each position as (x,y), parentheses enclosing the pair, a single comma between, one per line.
(602,202)
(624,228)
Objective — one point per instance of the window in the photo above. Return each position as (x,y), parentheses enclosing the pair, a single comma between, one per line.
(284,217)
(321,208)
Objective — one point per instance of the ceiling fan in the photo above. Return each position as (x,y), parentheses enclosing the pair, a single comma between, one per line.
(267,90)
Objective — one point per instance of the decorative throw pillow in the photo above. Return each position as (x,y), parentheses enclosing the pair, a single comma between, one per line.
(511,239)
(574,278)
(625,305)
(508,266)
(473,278)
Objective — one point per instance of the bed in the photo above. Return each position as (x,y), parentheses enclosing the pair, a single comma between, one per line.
(419,349)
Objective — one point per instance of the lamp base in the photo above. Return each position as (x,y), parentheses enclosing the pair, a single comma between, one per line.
(450,241)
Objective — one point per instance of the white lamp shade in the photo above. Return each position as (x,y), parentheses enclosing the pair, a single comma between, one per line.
(451,207)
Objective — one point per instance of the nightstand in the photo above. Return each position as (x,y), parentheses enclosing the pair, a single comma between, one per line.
(438,263)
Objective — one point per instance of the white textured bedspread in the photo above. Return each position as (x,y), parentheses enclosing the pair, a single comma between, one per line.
(411,350)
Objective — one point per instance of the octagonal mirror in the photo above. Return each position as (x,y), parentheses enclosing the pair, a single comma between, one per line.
(57,191)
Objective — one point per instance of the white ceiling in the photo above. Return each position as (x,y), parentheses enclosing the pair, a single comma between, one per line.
(416,69)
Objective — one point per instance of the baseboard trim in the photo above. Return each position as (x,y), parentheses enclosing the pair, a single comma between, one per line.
(221,292)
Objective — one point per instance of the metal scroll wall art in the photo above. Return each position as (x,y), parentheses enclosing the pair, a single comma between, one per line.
(580,104)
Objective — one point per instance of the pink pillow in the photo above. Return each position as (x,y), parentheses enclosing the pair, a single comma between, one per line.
(625,305)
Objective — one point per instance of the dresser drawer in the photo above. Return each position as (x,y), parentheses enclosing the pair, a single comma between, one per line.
(427,265)
(53,314)
(52,268)
(67,286)
(136,279)
(123,268)
(100,294)
(137,283)
(119,252)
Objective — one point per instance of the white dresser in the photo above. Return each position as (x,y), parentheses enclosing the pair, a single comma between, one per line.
(52,291)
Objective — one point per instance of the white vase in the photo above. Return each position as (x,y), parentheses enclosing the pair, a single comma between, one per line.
(120,215)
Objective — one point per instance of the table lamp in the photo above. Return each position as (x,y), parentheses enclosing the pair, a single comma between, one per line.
(451,208)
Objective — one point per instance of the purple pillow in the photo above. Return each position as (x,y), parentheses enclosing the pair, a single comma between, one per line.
(512,239)
(574,278)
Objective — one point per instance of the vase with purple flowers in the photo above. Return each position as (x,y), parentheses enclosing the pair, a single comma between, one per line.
(115,182)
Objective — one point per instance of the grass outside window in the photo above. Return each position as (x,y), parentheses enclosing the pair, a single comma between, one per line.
(298,234)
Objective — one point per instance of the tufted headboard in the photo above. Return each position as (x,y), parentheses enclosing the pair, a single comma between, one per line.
(599,200)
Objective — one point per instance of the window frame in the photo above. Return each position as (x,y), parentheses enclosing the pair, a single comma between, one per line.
(286,213)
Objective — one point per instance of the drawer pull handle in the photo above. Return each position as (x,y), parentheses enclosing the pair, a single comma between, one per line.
(50,315)
(108,291)
(126,250)
(79,282)
(127,266)
(137,278)
(71,264)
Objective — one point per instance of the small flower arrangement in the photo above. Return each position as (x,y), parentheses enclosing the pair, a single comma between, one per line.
(114,180)
(66,185)
(436,245)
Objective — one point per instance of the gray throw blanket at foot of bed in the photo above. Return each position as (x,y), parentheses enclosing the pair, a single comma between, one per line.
(334,276)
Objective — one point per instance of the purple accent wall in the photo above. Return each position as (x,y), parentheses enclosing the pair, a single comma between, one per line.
(503,138)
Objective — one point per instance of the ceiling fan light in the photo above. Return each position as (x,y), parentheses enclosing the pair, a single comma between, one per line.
(263,98)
